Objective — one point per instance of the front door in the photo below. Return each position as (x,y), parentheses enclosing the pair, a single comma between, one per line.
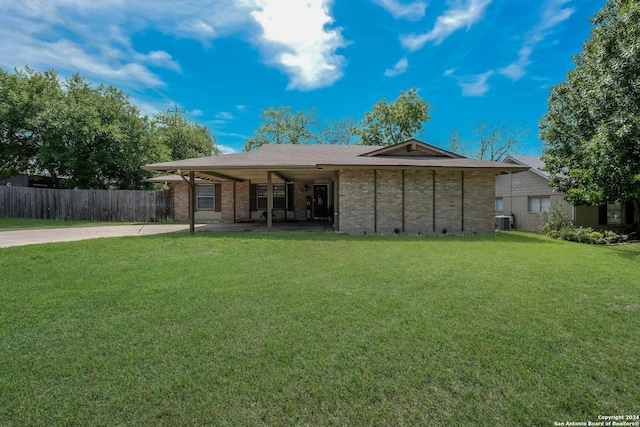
(320,199)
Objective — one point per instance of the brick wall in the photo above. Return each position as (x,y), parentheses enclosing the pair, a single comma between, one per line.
(478,204)
(388,201)
(241,200)
(372,201)
(180,201)
(357,201)
(418,201)
(449,201)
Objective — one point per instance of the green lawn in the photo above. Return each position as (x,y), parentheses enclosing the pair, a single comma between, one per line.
(318,329)
(10,224)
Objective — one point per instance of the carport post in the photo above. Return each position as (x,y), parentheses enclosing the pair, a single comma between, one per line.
(269,201)
(192,202)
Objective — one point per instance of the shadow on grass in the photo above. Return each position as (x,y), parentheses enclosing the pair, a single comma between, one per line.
(629,251)
(329,236)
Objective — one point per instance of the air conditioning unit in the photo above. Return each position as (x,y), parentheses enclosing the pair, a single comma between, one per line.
(504,222)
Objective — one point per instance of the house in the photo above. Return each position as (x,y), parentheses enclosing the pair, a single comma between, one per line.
(524,195)
(42,180)
(206,209)
(410,187)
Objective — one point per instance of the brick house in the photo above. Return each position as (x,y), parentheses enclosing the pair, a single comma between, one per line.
(410,187)
(524,195)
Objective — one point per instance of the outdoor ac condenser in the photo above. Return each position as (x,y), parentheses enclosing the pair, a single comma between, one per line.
(503,222)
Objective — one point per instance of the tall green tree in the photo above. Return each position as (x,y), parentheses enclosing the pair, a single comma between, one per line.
(391,123)
(92,137)
(592,128)
(282,126)
(183,139)
(28,100)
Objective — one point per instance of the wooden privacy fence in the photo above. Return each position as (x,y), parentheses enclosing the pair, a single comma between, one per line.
(85,205)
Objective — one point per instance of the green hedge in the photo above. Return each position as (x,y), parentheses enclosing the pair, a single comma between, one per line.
(558,225)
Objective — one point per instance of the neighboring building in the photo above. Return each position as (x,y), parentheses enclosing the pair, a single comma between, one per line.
(15,181)
(411,187)
(42,180)
(524,195)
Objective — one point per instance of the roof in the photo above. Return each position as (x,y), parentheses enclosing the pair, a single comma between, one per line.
(534,162)
(172,179)
(291,158)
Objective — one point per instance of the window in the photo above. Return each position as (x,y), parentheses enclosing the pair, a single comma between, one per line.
(539,204)
(614,214)
(206,197)
(279,196)
(499,204)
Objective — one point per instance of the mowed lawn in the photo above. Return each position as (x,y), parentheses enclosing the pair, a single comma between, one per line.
(318,329)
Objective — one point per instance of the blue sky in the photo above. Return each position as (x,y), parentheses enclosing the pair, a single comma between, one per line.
(224,61)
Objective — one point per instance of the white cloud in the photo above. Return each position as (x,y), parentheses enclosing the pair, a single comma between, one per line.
(553,13)
(451,21)
(399,68)
(449,72)
(295,36)
(226,149)
(196,28)
(160,58)
(475,85)
(224,115)
(517,69)
(196,113)
(413,11)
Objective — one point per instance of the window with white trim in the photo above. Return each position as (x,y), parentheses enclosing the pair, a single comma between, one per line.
(499,204)
(539,204)
(206,195)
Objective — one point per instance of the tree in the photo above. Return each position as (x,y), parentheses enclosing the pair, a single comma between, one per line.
(26,100)
(494,141)
(456,144)
(94,138)
(182,138)
(388,124)
(282,126)
(592,128)
(338,131)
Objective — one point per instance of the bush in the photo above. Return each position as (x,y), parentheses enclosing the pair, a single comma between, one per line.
(555,219)
(557,224)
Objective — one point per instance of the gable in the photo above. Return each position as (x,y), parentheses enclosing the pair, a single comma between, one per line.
(412,148)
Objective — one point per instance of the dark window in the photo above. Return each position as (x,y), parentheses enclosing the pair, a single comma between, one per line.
(279,196)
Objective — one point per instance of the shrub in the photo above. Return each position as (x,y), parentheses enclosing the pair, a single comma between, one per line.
(555,219)
(557,224)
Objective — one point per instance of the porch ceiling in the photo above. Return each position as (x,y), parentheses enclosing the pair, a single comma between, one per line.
(259,175)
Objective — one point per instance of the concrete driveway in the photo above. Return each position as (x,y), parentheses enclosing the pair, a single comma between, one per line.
(50,235)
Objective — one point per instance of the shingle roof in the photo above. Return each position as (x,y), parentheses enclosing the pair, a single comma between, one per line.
(534,162)
(283,156)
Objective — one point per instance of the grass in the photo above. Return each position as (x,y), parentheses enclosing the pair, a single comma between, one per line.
(318,329)
(14,224)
